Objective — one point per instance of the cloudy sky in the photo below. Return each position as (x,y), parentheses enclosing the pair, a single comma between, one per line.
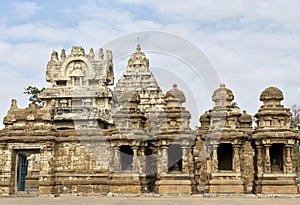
(251,44)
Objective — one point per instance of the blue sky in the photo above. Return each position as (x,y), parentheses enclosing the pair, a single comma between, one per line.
(252,44)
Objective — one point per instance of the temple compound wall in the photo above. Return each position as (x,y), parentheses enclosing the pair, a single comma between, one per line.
(88,138)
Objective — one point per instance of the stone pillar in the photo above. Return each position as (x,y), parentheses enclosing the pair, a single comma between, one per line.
(267,164)
(135,166)
(288,161)
(164,159)
(185,159)
(142,161)
(111,161)
(259,160)
(159,161)
(214,163)
(207,152)
(117,159)
(236,158)
(7,173)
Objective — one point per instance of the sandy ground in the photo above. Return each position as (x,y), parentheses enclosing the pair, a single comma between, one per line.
(97,200)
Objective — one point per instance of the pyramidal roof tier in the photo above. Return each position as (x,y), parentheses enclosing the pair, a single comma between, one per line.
(138,77)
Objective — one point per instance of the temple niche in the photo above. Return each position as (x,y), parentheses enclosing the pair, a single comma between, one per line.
(88,137)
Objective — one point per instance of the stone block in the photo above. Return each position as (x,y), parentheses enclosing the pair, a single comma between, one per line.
(168,186)
(227,186)
(129,189)
(280,189)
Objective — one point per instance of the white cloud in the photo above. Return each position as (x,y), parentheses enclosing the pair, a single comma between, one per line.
(217,13)
(252,44)
(25,9)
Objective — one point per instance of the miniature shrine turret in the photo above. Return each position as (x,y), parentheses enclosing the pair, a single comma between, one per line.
(274,142)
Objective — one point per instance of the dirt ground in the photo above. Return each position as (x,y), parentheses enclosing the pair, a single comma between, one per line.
(97,200)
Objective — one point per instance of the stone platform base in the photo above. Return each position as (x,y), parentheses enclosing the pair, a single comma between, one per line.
(226,187)
(127,189)
(279,189)
(277,185)
(128,184)
(174,186)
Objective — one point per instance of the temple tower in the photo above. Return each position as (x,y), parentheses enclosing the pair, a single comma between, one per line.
(79,89)
(138,77)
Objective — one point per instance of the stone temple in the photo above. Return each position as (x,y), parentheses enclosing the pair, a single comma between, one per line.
(87,138)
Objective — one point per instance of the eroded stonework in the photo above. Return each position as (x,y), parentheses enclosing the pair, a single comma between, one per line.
(87,138)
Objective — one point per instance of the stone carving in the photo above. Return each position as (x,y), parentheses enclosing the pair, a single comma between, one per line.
(3,160)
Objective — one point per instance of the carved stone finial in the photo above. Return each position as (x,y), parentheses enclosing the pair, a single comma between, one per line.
(32,106)
(271,93)
(138,47)
(108,55)
(91,54)
(222,96)
(101,54)
(63,54)
(54,56)
(245,118)
(13,104)
(175,93)
(77,51)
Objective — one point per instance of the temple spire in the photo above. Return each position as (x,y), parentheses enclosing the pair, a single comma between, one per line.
(138,47)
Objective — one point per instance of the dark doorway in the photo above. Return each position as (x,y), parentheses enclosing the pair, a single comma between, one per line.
(276,157)
(22,171)
(225,156)
(27,172)
(175,158)
(126,156)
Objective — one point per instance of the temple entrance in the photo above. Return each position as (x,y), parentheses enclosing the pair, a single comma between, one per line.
(22,171)
(276,157)
(27,171)
(175,158)
(126,157)
(225,156)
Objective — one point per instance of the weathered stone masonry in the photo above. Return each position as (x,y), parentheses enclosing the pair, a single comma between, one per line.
(89,139)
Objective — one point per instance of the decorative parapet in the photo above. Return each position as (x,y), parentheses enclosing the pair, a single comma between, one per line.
(33,117)
(60,71)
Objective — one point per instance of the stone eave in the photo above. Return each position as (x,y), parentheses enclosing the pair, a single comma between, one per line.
(275,134)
